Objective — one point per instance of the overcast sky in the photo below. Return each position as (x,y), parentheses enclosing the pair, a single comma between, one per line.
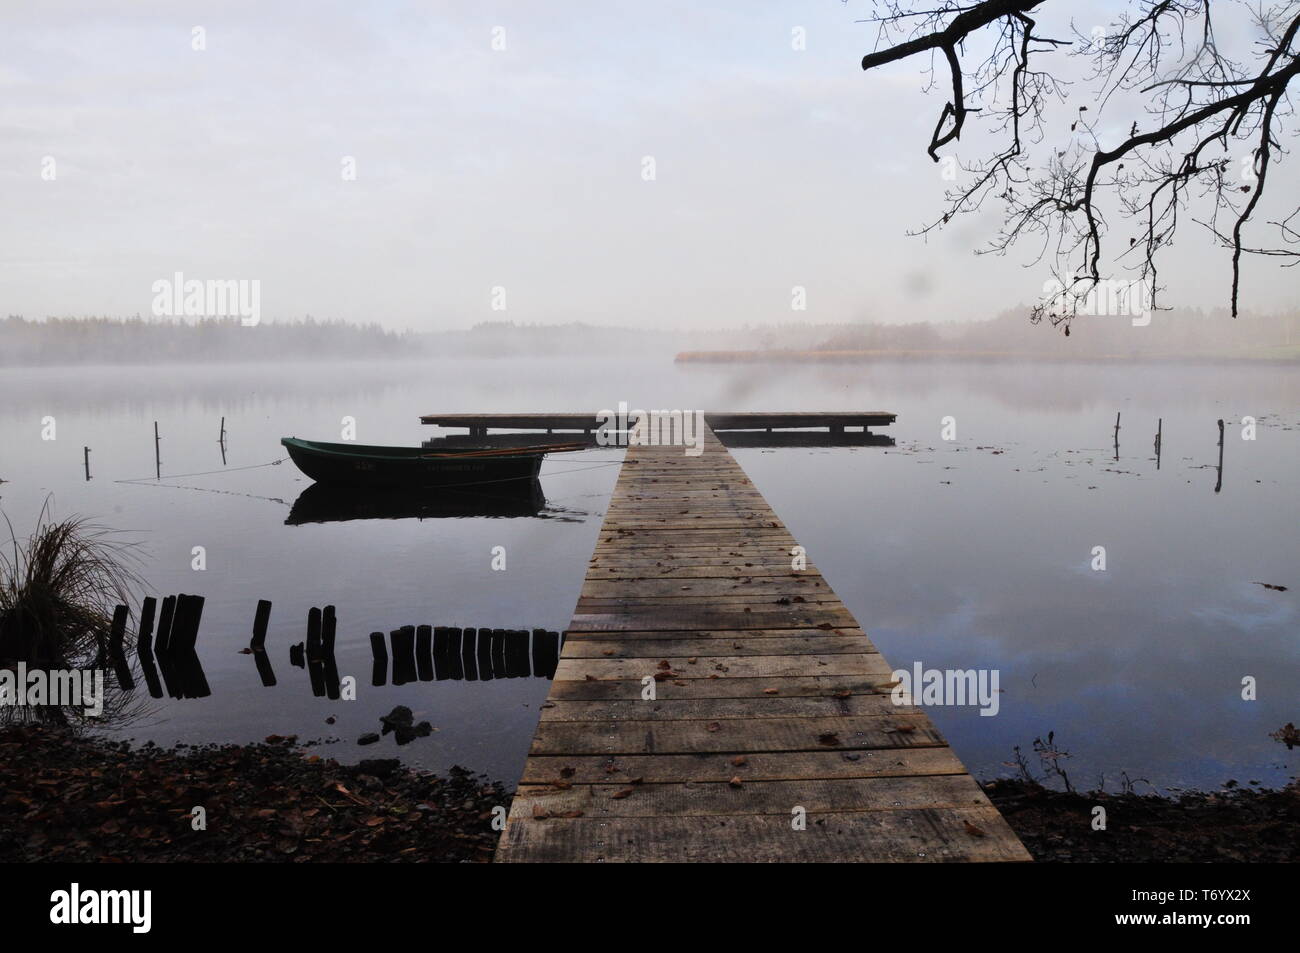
(519,168)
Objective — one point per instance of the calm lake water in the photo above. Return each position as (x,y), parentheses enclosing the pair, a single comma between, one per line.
(971,553)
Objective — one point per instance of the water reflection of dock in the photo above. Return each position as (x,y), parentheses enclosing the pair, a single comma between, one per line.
(846,428)
(716,701)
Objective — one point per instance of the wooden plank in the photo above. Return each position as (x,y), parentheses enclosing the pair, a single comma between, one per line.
(705,768)
(814,642)
(714,709)
(722,667)
(703,799)
(767,587)
(750,634)
(799,615)
(924,835)
(837,733)
(784,686)
(707,689)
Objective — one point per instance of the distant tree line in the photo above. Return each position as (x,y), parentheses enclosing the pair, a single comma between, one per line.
(1189,332)
(136,340)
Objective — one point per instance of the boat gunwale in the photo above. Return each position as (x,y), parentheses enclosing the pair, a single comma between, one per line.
(415,454)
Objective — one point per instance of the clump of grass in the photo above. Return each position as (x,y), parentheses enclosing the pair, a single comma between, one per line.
(58,592)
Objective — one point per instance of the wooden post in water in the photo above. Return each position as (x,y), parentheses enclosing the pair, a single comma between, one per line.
(424,652)
(117,629)
(116,653)
(546,653)
(313,634)
(498,645)
(449,664)
(469,655)
(1218,484)
(157,453)
(85,459)
(484,655)
(1117,435)
(143,643)
(260,620)
(379,656)
(404,670)
(515,653)
(328,627)
(165,618)
(1160,426)
(185,623)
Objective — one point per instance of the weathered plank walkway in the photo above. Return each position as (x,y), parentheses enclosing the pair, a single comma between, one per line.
(769,698)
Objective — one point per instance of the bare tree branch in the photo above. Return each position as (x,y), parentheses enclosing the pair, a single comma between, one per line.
(1200,105)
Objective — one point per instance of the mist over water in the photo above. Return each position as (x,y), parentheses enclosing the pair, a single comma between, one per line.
(973,553)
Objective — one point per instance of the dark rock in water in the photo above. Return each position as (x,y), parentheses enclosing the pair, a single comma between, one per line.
(410,733)
(378,767)
(368,738)
(399,717)
(296,657)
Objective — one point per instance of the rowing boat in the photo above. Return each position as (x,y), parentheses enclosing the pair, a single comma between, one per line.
(351,464)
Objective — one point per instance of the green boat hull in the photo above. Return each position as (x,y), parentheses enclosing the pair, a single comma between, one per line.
(345,464)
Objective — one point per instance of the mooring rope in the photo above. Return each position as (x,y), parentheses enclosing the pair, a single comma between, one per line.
(182,476)
(153,480)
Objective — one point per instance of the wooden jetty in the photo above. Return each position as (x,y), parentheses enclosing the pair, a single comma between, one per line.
(771,735)
(835,422)
(478,425)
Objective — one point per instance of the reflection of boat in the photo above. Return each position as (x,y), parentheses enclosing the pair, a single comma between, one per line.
(322,503)
(353,465)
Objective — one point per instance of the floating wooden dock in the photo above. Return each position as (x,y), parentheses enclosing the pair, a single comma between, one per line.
(769,702)
(479,424)
(835,422)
